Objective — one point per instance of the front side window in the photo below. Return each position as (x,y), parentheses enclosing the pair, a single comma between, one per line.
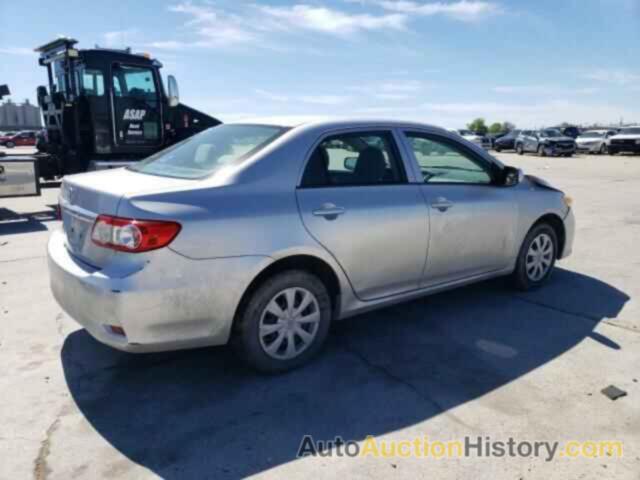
(443,161)
(134,81)
(350,159)
(208,151)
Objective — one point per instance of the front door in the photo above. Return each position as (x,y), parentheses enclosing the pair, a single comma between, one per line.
(136,106)
(355,200)
(472,219)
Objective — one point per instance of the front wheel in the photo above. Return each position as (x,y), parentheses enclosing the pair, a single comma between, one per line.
(497,149)
(519,149)
(603,149)
(9,144)
(537,257)
(541,151)
(285,322)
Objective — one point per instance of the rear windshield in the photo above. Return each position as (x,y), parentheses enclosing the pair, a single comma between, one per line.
(206,152)
(630,131)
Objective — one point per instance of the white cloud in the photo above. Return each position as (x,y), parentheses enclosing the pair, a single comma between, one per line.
(119,38)
(617,77)
(544,90)
(16,51)
(326,20)
(213,28)
(465,10)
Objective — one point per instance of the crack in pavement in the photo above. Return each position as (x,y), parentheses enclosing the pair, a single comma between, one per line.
(40,467)
(24,258)
(581,315)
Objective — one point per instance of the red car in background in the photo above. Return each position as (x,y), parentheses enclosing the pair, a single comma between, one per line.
(20,139)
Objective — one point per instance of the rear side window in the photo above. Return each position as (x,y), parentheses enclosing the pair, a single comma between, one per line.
(206,152)
(351,159)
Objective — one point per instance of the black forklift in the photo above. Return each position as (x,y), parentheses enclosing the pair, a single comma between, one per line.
(103,108)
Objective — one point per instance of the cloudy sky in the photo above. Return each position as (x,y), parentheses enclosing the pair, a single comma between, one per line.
(533,63)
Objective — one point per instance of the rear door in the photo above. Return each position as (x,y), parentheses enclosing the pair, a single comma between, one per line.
(355,200)
(137,110)
(472,218)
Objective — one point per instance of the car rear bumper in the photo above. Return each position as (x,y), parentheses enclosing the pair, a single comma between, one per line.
(171,303)
(587,148)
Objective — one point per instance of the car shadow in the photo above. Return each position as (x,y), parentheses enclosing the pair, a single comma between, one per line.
(201,414)
(13,223)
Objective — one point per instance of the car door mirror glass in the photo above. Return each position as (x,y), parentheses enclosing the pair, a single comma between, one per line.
(350,163)
(512,176)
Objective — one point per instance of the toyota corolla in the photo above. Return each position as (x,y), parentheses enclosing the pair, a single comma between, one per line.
(262,235)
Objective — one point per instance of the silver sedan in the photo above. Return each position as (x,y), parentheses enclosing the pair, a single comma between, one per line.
(265,234)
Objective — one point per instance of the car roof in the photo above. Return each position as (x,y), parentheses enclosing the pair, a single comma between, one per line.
(329,124)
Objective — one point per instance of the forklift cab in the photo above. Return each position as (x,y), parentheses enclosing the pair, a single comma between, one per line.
(103,103)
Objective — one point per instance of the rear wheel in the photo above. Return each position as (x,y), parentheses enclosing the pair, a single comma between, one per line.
(285,322)
(603,149)
(537,257)
(497,148)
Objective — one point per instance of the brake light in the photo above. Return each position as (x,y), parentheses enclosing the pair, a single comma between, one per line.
(130,235)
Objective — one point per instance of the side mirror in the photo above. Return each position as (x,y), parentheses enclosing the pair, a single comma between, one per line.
(350,163)
(512,176)
(173,92)
(4,91)
(41,93)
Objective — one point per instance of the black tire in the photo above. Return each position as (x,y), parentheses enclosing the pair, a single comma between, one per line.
(613,152)
(603,149)
(247,339)
(523,280)
(497,148)
(541,151)
(568,155)
(519,149)
(9,144)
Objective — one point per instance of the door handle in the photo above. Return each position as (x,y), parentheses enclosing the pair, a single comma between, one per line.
(442,204)
(328,210)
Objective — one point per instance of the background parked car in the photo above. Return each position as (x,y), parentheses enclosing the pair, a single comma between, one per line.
(549,141)
(594,141)
(626,140)
(506,142)
(5,136)
(21,139)
(569,131)
(480,140)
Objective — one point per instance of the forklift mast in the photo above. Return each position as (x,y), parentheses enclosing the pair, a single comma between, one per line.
(105,107)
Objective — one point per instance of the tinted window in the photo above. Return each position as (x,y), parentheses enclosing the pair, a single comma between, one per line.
(92,82)
(133,81)
(444,161)
(203,154)
(354,159)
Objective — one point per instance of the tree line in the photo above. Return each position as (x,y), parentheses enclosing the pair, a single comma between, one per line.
(480,126)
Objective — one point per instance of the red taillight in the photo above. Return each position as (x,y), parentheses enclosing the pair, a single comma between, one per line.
(130,235)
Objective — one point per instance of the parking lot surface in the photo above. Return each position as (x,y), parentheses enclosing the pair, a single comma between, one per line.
(478,361)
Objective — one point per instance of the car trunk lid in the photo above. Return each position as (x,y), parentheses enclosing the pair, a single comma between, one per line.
(85,196)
